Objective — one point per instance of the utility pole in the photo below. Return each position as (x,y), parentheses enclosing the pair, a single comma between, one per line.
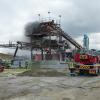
(39,17)
(31,48)
(60,20)
(49,14)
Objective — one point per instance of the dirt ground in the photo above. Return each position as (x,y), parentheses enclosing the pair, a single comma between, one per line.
(14,87)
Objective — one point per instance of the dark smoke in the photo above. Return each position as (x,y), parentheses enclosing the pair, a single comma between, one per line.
(31,27)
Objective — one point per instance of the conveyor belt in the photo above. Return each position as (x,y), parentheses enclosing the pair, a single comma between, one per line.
(69,38)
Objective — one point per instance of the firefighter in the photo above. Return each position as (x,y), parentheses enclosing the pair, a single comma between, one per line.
(26,64)
(19,64)
(71,66)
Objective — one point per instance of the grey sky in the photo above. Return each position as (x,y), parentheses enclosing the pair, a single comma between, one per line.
(78,17)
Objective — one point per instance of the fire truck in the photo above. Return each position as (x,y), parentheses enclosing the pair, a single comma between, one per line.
(87,64)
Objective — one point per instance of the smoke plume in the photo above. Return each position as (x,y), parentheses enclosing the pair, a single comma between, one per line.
(31,27)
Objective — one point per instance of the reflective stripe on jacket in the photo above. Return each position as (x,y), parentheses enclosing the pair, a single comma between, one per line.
(71,64)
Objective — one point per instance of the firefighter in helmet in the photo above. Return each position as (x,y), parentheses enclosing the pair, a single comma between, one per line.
(71,65)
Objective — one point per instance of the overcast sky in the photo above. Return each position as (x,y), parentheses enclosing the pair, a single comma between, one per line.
(78,17)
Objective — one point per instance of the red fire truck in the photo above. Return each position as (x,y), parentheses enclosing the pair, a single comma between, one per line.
(87,64)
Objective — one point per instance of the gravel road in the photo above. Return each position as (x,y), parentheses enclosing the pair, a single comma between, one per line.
(49,88)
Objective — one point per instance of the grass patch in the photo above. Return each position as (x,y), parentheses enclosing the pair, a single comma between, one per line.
(8,72)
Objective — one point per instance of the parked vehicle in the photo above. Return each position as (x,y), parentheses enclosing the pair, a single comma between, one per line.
(1,66)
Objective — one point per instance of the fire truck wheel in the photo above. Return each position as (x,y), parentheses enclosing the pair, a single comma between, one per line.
(99,71)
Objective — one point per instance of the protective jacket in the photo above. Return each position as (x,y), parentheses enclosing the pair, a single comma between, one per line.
(71,64)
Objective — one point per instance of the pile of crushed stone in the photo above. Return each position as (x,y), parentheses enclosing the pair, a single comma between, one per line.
(43,72)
